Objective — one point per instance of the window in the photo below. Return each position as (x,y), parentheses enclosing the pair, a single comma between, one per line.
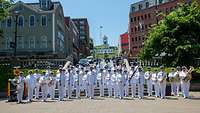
(136,39)
(134,18)
(44,20)
(21,21)
(9,22)
(147,4)
(20,42)
(44,3)
(82,22)
(32,42)
(82,37)
(8,40)
(139,38)
(135,29)
(167,10)
(140,6)
(145,16)
(149,15)
(145,26)
(142,17)
(133,9)
(31,20)
(131,29)
(160,1)
(82,27)
(131,19)
(171,8)
(132,39)
(138,18)
(43,42)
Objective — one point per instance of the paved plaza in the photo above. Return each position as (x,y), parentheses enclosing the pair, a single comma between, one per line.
(108,105)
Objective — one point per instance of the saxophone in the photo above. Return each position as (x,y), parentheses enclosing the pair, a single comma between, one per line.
(188,76)
(164,78)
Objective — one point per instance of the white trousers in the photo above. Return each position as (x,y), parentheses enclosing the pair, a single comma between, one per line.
(109,89)
(115,87)
(133,89)
(149,87)
(30,93)
(61,89)
(37,91)
(91,90)
(20,92)
(140,90)
(76,85)
(101,88)
(52,91)
(121,89)
(162,87)
(156,89)
(126,88)
(44,89)
(173,88)
(185,87)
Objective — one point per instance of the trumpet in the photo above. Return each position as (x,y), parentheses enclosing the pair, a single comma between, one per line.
(188,76)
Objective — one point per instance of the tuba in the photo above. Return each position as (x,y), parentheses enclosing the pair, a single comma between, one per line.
(188,76)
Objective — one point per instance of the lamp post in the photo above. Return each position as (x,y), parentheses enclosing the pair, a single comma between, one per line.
(16,13)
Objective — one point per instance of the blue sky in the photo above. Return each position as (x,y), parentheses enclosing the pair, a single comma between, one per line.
(111,14)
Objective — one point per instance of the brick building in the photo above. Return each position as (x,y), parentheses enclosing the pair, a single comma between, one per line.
(142,16)
(84,36)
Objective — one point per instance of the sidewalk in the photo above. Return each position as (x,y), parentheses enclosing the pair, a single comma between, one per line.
(109,105)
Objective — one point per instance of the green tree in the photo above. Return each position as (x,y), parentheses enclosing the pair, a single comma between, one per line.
(176,37)
(4,5)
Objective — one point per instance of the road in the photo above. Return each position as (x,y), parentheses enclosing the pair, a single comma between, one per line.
(108,105)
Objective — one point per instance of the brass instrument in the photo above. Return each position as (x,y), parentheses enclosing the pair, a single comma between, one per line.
(189,74)
(177,77)
(163,79)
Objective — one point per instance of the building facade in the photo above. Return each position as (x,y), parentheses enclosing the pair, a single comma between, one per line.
(84,35)
(40,30)
(73,42)
(142,16)
(124,44)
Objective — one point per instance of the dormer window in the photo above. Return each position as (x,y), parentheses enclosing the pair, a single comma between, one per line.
(45,4)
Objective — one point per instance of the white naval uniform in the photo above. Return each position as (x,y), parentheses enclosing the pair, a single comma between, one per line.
(77,84)
(52,86)
(126,87)
(140,83)
(155,84)
(120,84)
(133,82)
(100,79)
(85,84)
(178,83)
(91,79)
(44,86)
(61,85)
(37,89)
(185,86)
(148,76)
(162,85)
(20,88)
(114,84)
(69,83)
(109,83)
(173,83)
(30,82)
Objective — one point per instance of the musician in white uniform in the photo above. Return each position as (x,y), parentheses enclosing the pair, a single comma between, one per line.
(100,80)
(77,83)
(177,79)
(30,82)
(133,81)
(155,83)
(120,84)
(171,77)
(61,83)
(52,85)
(44,86)
(20,87)
(37,76)
(140,82)
(109,82)
(91,79)
(162,82)
(148,79)
(85,83)
(185,82)
(126,87)
(114,83)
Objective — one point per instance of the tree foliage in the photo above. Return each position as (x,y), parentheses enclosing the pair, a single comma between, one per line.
(177,36)
(4,5)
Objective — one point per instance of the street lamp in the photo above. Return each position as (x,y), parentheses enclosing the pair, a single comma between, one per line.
(16,13)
